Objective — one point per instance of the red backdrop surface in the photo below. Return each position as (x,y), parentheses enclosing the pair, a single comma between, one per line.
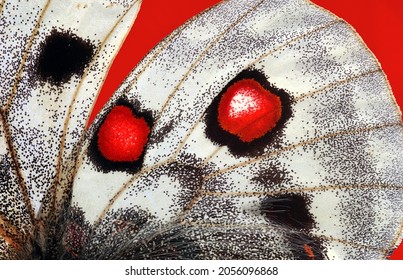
(380,24)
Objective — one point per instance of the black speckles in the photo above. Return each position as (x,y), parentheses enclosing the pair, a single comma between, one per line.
(244,243)
(62,55)
(166,245)
(237,147)
(362,207)
(288,210)
(214,210)
(160,135)
(175,182)
(77,232)
(12,204)
(5,171)
(189,178)
(273,175)
(123,224)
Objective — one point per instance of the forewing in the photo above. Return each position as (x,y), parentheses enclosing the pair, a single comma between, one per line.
(324,182)
(55,56)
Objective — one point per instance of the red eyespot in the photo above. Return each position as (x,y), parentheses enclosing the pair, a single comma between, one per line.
(248,111)
(122,136)
(248,115)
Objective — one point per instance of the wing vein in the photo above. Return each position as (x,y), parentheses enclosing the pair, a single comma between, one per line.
(20,178)
(296,39)
(4,114)
(199,58)
(24,58)
(303,189)
(200,192)
(337,83)
(127,184)
(134,81)
(71,107)
(263,226)
(183,142)
(296,100)
(11,234)
(163,47)
(300,144)
(2,6)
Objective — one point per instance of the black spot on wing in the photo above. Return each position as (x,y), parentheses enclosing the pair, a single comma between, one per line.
(290,210)
(291,213)
(63,54)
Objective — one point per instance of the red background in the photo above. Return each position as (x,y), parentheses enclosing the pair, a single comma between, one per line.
(380,24)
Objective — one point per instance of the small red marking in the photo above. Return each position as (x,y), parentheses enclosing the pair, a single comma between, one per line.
(123,136)
(248,110)
(309,252)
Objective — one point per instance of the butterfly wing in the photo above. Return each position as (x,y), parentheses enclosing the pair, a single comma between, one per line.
(323,183)
(55,56)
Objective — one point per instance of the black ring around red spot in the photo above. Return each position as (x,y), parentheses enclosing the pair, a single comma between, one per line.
(123,151)
(238,146)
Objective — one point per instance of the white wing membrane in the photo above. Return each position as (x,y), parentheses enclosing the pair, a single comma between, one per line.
(16,40)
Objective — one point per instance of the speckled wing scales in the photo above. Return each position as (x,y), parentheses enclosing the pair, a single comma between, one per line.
(324,182)
(55,56)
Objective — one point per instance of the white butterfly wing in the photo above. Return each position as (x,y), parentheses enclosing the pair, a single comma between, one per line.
(15,215)
(55,56)
(324,183)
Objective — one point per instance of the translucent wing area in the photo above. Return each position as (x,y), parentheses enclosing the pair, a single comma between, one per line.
(323,181)
(55,56)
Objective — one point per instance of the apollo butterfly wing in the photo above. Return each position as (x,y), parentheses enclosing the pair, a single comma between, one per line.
(257,130)
(220,177)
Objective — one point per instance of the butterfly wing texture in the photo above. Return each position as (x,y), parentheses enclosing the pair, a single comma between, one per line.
(54,59)
(259,129)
